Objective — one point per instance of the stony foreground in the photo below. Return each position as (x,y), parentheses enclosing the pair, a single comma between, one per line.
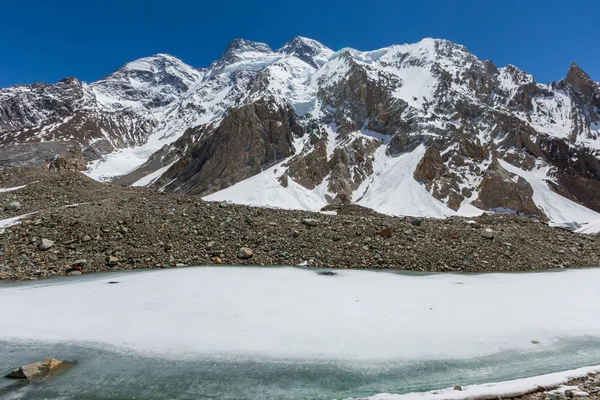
(583,388)
(82,226)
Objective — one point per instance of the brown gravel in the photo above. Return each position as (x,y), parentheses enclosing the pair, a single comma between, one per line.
(126,228)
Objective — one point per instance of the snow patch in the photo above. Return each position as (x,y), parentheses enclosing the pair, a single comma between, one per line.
(153,177)
(558,208)
(11,189)
(393,190)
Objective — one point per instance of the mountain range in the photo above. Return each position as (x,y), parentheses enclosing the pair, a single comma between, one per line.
(423,129)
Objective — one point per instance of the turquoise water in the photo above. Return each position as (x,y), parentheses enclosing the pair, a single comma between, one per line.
(108,374)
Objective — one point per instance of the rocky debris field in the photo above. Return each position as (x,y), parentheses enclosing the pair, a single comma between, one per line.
(582,388)
(75,225)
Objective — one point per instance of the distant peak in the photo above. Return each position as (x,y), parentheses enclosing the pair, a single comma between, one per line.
(308,50)
(243,45)
(580,81)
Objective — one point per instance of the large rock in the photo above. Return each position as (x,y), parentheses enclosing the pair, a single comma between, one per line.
(430,167)
(14,206)
(45,244)
(503,191)
(245,253)
(40,369)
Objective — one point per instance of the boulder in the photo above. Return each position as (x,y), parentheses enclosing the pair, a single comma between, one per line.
(40,369)
(385,232)
(487,233)
(79,263)
(111,261)
(45,244)
(74,272)
(310,222)
(245,253)
(14,206)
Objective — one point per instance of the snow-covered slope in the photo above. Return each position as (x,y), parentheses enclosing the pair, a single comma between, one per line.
(422,129)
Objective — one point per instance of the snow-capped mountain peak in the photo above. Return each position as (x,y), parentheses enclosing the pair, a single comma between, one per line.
(308,50)
(155,81)
(426,122)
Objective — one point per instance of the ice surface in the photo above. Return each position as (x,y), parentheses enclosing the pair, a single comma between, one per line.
(295,313)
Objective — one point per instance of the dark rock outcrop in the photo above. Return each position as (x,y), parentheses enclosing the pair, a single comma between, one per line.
(248,140)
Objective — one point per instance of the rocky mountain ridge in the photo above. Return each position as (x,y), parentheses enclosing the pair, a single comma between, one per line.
(422,129)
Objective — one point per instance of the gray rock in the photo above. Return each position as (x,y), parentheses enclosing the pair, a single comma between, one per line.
(14,206)
(123,229)
(45,244)
(112,261)
(310,222)
(86,238)
(74,273)
(245,253)
(487,233)
(79,263)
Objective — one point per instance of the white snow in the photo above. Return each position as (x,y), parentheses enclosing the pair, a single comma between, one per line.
(295,313)
(497,390)
(264,189)
(153,177)
(393,190)
(592,227)
(6,223)
(11,189)
(558,208)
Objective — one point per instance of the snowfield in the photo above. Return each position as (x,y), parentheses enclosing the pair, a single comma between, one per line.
(290,313)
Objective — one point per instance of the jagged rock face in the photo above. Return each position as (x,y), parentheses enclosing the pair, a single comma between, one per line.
(502,190)
(310,169)
(330,126)
(29,106)
(121,110)
(430,167)
(249,139)
(584,90)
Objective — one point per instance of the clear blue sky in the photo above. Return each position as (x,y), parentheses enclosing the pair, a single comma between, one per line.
(45,40)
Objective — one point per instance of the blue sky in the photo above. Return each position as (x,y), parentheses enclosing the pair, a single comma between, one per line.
(49,40)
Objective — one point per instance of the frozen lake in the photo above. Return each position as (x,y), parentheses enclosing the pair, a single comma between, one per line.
(290,333)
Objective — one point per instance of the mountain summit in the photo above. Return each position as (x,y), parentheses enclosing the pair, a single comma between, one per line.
(423,129)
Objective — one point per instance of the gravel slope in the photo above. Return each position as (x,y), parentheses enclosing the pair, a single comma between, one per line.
(127,228)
